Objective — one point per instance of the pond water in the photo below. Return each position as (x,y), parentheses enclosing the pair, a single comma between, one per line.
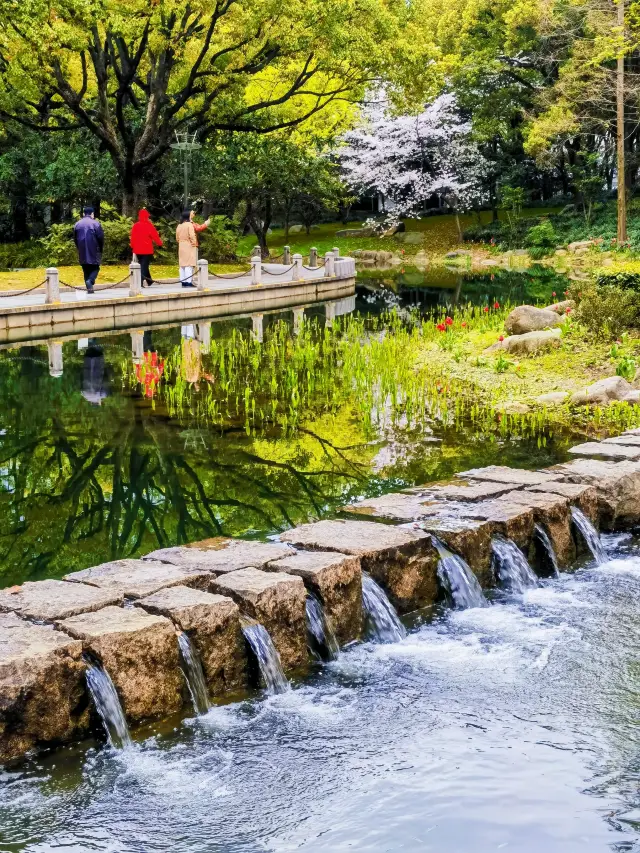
(508,727)
(156,438)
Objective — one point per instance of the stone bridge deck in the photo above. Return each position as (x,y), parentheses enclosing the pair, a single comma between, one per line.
(48,627)
(27,317)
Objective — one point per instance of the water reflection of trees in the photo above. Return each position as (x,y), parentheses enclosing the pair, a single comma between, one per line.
(81,484)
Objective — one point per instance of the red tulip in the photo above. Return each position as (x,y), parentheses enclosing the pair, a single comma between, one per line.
(486,309)
(496,305)
(463,324)
(568,311)
(449,321)
(553,294)
(441,327)
(501,338)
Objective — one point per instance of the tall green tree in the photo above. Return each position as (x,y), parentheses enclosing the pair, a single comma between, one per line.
(133,73)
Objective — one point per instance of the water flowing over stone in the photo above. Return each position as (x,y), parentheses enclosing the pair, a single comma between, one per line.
(458,580)
(323,641)
(543,537)
(194,674)
(589,534)
(511,567)
(108,706)
(383,622)
(266,656)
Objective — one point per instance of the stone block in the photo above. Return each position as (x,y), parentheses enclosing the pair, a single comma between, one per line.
(138,578)
(625,438)
(466,491)
(552,512)
(516,476)
(603,450)
(212,623)
(617,485)
(277,601)
(220,555)
(399,507)
(43,698)
(140,653)
(469,538)
(508,519)
(403,561)
(583,497)
(337,581)
(51,600)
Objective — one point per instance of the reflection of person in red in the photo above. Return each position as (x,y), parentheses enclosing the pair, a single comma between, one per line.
(150,372)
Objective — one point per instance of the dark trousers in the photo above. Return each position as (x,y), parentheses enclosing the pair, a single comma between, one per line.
(144,261)
(90,272)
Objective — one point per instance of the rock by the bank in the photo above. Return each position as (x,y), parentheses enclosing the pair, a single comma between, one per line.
(613,388)
(553,398)
(580,244)
(337,580)
(528,342)
(606,451)
(528,318)
(404,562)
(617,485)
(51,600)
(140,653)
(212,623)
(277,601)
(137,578)
(42,690)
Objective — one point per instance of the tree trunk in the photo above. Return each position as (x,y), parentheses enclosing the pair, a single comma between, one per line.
(622,183)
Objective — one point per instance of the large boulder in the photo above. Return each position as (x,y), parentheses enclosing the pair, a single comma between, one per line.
(552,398)
(528,318)
(562,307)
(579,245)
(355,232)
(528,343)
(604,391)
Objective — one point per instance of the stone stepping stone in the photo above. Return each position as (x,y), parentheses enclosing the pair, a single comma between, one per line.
(139,578)
(398,506)
(503,474)
(42,687)
(403,561)
(629,440)
(505,518)
(51,600)
(140,653)
(468,491)
(277,601)
(468,537)
(602,449)
(212,623)
(337,581)
(617,486)
(551,511)
(220,555)
(583,497)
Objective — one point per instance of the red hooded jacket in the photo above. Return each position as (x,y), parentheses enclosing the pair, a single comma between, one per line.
(144,235)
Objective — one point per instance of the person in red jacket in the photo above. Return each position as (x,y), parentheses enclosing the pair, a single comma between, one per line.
(143,238)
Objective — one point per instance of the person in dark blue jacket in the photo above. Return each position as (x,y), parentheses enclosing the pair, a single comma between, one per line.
(89,239)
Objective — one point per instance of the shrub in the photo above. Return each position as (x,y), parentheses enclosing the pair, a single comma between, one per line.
(625,280)
(606,311)
(218,243)
(541,239)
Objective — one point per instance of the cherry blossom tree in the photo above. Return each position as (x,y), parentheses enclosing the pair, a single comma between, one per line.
(410,158)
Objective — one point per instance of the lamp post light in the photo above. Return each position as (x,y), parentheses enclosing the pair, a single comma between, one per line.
(186,144)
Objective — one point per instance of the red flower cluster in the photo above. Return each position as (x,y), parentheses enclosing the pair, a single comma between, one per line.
(441,327)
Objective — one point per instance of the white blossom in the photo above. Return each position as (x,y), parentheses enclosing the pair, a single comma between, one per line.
(409,159)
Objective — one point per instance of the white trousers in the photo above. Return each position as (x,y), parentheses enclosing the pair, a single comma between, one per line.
(186,275)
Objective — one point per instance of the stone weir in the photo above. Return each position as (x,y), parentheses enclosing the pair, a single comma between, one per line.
(127,614)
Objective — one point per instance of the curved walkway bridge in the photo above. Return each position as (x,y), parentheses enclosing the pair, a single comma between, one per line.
(55,309)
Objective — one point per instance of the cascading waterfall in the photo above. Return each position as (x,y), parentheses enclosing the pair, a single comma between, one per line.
(458,580)
(383,623)
(194,674)
(589,534)
(266,655)
(550,555)
(322,640)
(108,706)
(511,567)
